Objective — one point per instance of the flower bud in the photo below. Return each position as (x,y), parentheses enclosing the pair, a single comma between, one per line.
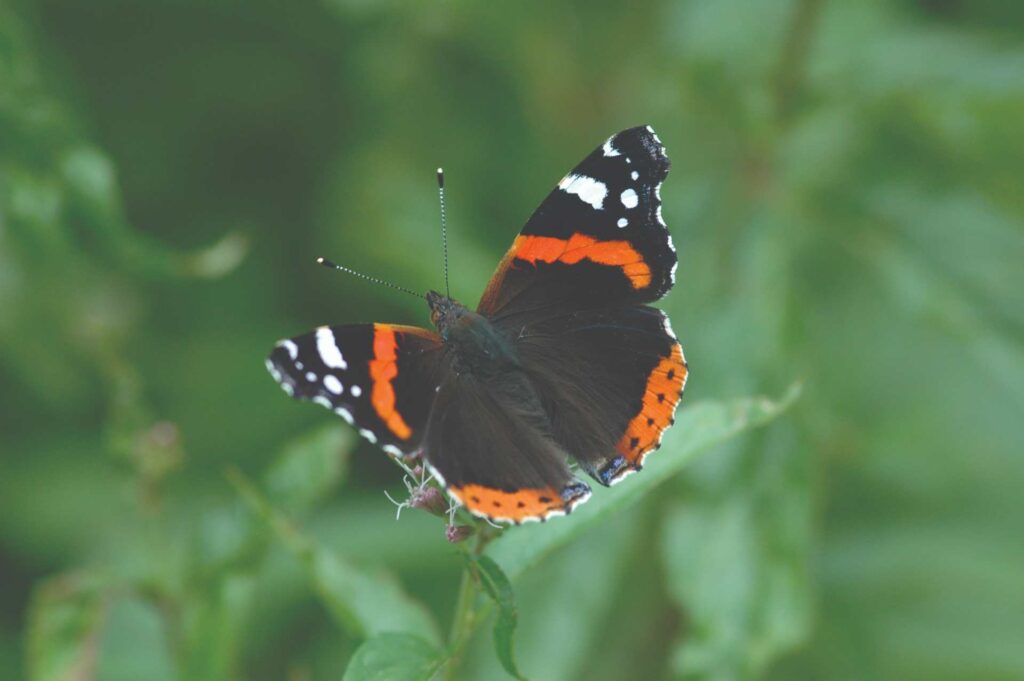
(430,499)
(457,533)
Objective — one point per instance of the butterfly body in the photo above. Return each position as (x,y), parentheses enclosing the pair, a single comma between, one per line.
(473,345)
(562,360)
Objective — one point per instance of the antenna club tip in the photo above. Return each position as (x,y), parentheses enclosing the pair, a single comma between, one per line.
(320,260)
(440,177)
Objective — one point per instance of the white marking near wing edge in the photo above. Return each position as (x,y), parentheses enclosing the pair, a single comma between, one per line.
(328,349)
(392,450)
(292,348)
(609,150)
(667,325)
(629,198)
(322,401)
(587,188)
(333,384)
(345,414)
(622,475)
(440,479)
(368,434)
(273,370)
(356,391)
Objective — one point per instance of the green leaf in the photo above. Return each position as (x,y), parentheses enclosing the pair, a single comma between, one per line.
(65,620)
(134,644)
(696,428)
(563,618)
(394,657)
(499,588)
(363,602)
(213,620)
(309,468)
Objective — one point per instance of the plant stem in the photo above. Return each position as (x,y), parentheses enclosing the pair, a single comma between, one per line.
(463,623)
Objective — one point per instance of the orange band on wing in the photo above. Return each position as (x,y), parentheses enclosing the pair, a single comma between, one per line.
(664,388)
(524,504)
(579,247)
(383,368)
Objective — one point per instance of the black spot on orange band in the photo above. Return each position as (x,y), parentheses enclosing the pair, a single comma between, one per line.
(661,395)
(520,505)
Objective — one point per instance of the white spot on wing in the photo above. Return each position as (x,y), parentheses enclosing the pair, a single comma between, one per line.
(345,414)
(310,376)
(322,401)
(292,348)
(273,370)
(667,325)
(368,434)
(661,220)
(392,450)
(333,384)
(622,222)
(440,479)
(609,150)
(356,391)
(635,175)
(328,348)
(629,198)
(587,188)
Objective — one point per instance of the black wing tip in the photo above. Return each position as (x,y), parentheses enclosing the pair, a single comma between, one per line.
(644,139)
(281,365)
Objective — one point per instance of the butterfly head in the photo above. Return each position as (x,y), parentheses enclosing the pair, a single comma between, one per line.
(444,312)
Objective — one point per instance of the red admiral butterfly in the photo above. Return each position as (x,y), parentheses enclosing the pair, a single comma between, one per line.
(561,359)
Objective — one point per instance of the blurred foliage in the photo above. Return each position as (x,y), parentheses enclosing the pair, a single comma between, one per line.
(846,202)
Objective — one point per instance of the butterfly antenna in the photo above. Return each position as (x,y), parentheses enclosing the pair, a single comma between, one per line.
(444,230)
(335,266)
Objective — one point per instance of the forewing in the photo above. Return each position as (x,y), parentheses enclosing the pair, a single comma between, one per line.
(599,236)
(381,378)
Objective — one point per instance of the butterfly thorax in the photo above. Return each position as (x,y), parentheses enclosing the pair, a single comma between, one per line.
(477,346)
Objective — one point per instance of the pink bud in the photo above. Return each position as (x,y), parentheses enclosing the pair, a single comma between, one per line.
(457,533)
(430,499)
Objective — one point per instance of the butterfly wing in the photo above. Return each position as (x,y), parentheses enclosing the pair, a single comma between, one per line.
(570,291)
(597,239)
(609,379)
(381,378)
(488,441)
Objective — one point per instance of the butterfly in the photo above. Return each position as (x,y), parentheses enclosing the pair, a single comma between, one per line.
(562,360)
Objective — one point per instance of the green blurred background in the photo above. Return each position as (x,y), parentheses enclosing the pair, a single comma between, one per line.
(846,200)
